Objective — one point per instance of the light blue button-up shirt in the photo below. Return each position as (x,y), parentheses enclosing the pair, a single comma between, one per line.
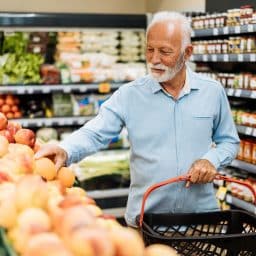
(166,137)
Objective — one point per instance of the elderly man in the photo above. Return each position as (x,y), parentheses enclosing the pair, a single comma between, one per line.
(173,117)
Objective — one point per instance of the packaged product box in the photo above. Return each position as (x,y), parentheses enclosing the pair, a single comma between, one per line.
(62,104)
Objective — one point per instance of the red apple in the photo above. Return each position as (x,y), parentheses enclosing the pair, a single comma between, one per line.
(26,137)
(7,134)
(13,127)
(3,121)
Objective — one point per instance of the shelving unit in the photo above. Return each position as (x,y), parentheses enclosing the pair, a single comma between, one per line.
(245,57)
(250,28)
(55,22)
(53,121)
(241,93)
(60,88)
(217,61)
(246,130)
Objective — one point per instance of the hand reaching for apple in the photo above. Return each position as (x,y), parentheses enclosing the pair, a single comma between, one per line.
(201,171)
(57,154)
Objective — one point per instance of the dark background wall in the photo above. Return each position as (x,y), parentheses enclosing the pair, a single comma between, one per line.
(223,5)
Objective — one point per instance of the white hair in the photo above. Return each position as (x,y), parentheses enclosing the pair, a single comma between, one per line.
(171,17)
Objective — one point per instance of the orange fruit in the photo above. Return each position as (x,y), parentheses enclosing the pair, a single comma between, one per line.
(66,177)
(76,191)
(45,168)
(9,115)
(5,108)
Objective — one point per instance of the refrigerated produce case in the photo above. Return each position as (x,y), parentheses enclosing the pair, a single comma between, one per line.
(54,36)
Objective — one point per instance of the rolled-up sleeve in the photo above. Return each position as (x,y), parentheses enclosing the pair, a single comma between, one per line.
(98,132)
(224,135)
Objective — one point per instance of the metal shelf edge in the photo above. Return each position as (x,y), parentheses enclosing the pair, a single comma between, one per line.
(241,204)
(108,193)
(58,121)
(250,28)
(244,166)
(44,89)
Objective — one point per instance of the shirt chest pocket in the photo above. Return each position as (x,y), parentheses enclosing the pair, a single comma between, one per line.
(202,124)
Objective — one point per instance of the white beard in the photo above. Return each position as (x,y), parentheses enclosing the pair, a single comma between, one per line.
(169,73)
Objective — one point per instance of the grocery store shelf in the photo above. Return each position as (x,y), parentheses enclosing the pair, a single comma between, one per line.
(117,212)
(54,121)
(245,57)
(241,93)
(241,204)
(244,166)
(246,130)
(71,20)
(107,193)
(63,88)
(250,28)
(111,201)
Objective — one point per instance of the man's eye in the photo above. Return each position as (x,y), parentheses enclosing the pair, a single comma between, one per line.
(150,49)
(165,52)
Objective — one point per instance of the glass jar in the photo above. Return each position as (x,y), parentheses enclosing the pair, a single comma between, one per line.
(254,153)
(247,151)
(253,82)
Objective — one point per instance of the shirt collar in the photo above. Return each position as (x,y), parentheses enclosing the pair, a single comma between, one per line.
(190,83)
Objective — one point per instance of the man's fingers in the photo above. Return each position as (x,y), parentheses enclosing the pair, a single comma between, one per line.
(194,175)
(203,176)
(59,162)
(44,151)
(187,184)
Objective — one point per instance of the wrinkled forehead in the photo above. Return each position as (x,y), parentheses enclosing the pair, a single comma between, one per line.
(165,32)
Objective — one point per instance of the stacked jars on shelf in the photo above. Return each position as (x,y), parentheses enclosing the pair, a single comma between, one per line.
(246,81)
(233,17)
(242,117)
(247,151)
(239,44)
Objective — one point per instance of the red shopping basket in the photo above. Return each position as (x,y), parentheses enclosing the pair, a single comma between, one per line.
(220,233)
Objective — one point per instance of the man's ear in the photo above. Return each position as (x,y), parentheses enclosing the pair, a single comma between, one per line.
(188,52)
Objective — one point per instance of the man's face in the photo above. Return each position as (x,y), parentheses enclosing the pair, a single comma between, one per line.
(163,51)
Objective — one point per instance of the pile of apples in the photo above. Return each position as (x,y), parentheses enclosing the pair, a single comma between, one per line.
(44,215)
(9,105)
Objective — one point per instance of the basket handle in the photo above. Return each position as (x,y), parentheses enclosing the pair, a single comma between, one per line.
(187,178)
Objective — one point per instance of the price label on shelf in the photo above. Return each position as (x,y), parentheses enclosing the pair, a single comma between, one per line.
(66,89)
(104,87)
(253,95)
(46,90)
(238,93)
(248,130)
(252,57)
(237,29)
(205,57)
(240,57)
(214,57)
(215,31)
(250,28)
(225,57)
(254,132)
(225,30)
(230,92)
(192,33)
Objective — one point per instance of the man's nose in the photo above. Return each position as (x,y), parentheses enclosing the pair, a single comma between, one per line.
(155,58)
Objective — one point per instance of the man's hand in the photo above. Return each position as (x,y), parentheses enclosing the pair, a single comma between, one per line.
(57,154)
(201,171)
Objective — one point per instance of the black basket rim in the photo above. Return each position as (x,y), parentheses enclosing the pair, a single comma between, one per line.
(195,238)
